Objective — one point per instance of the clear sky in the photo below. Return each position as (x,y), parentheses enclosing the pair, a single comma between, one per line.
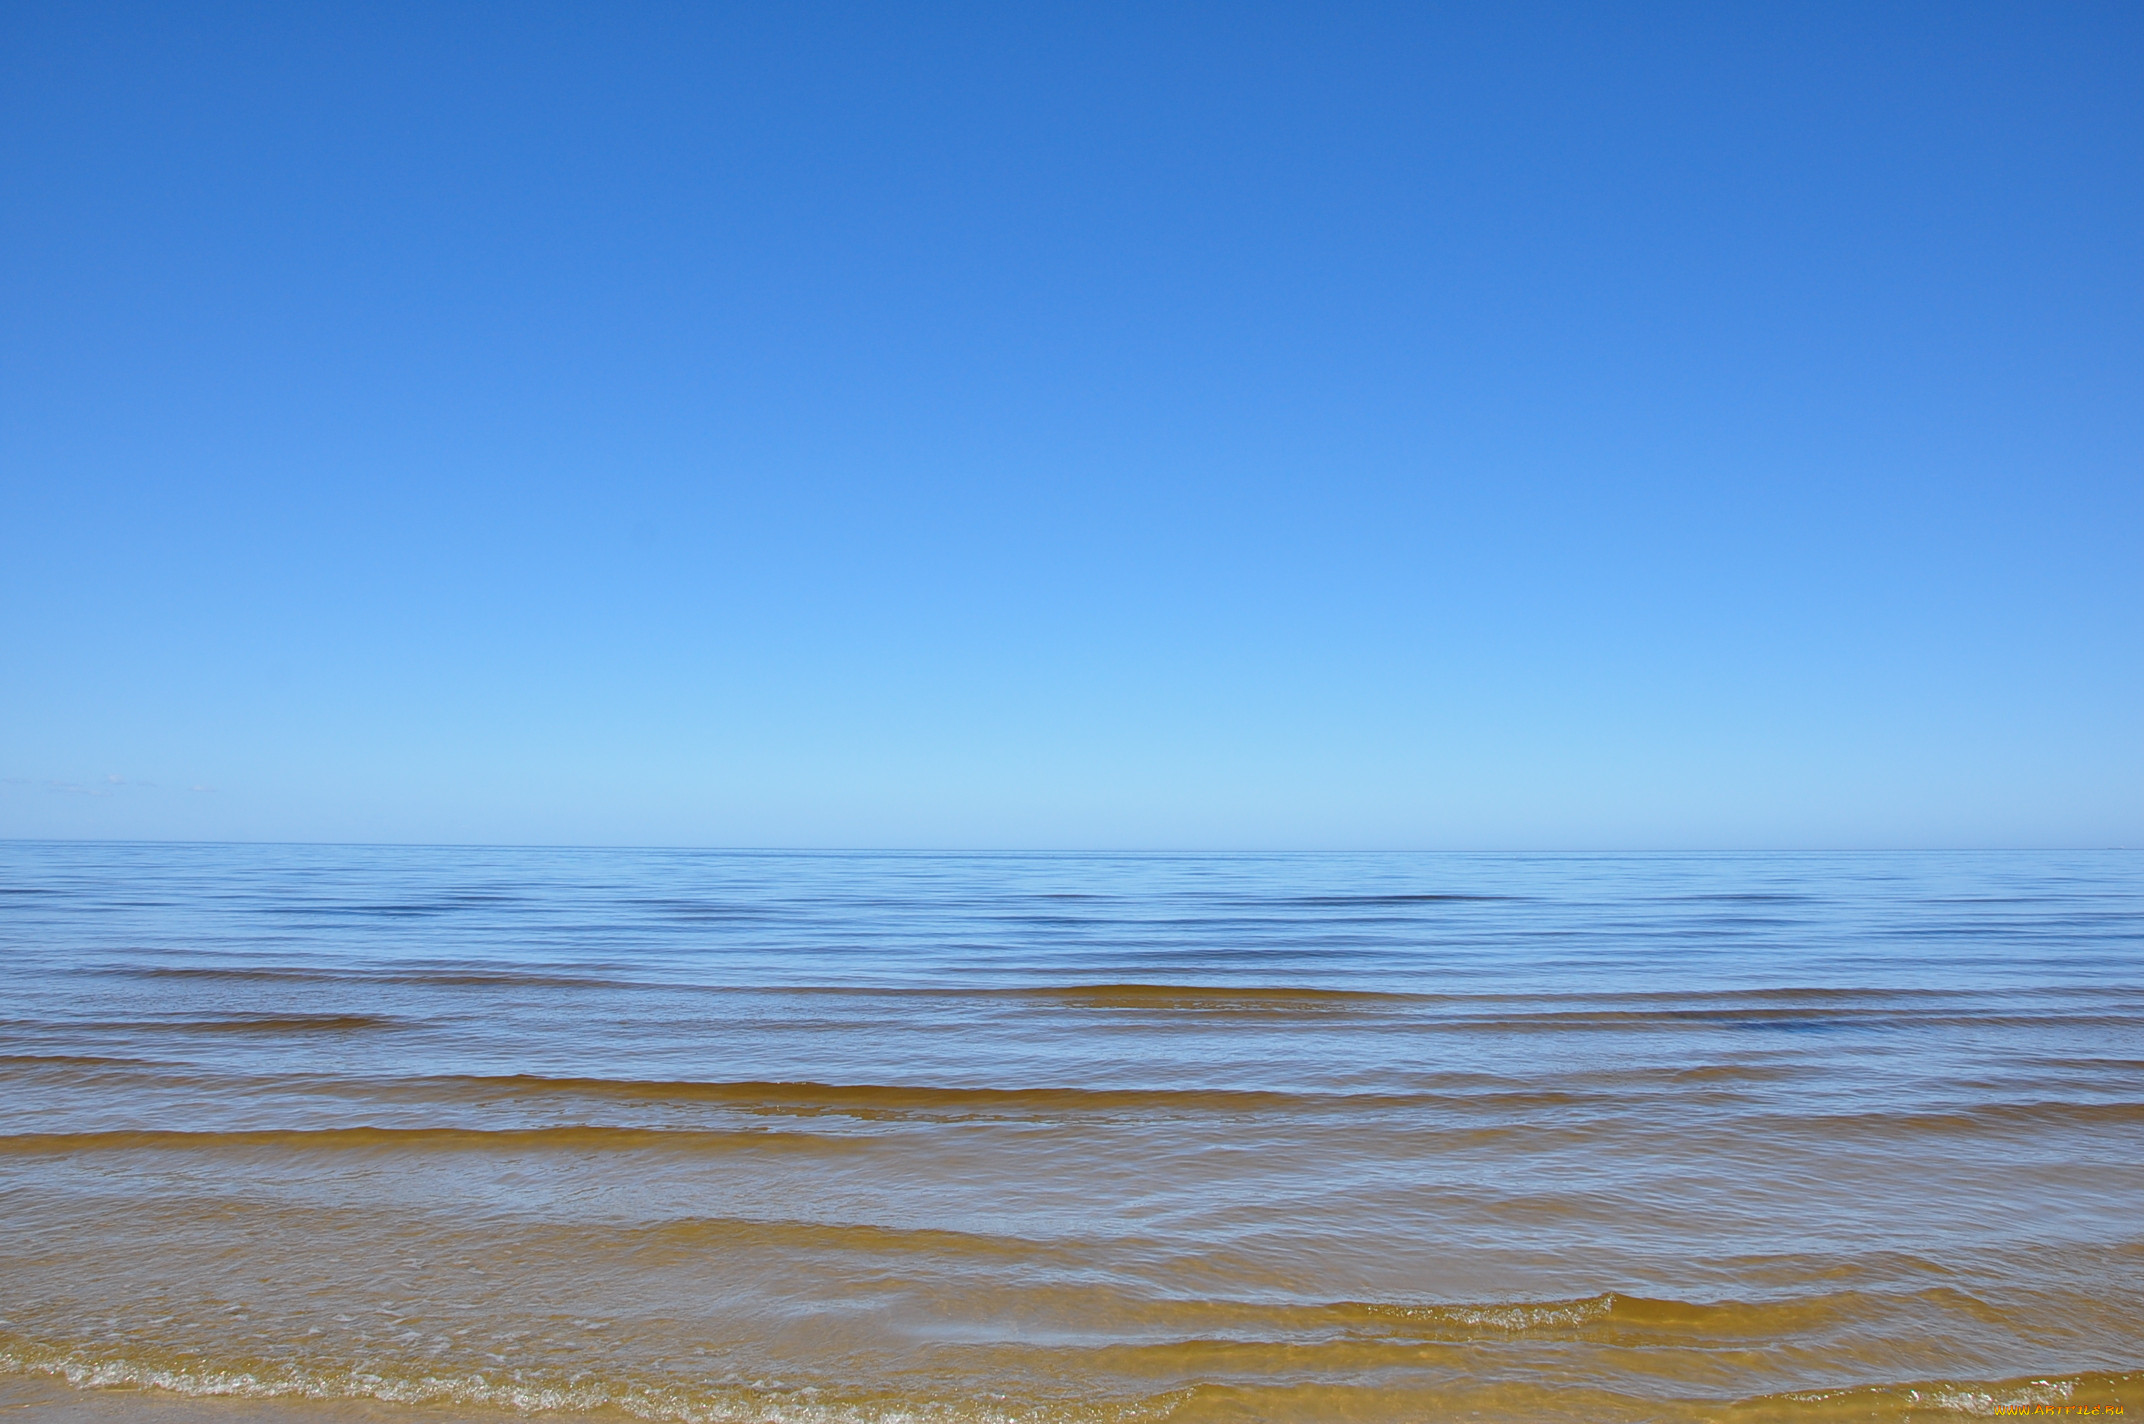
(1223,425)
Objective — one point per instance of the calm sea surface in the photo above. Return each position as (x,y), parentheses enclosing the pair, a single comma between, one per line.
(701,1136)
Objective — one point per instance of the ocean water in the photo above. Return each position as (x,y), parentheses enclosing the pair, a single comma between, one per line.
(708,1136)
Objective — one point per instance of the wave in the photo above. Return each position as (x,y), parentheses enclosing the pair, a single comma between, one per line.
(871,1100)
(1493,1400)
(2093,1392)
(448,977)
(1650,1321)
(68,1060)
(235,1023)
(858,1101)
(1989,1117)
(1214,1000)
(1283,1390)
(1470,1103)
(269,1380)
(902,1100)
(417,1139)
(1135,992)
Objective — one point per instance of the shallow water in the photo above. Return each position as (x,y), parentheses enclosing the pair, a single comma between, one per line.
(875,1137)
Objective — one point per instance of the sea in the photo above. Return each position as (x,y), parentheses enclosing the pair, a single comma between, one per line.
(338,1132)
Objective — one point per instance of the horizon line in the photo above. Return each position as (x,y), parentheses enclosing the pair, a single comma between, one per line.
(1061,850)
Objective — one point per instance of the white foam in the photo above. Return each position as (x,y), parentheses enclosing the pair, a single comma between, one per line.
(668,1406)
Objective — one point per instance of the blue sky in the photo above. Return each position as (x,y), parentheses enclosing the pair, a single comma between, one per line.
(1019,425)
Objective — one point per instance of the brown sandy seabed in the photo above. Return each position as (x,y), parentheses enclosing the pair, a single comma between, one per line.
(1740,1179)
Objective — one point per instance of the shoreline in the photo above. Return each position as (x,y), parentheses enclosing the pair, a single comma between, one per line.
(2101,1395)
(48,1397)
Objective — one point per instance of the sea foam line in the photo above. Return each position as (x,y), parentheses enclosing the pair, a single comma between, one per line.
(666,1406)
